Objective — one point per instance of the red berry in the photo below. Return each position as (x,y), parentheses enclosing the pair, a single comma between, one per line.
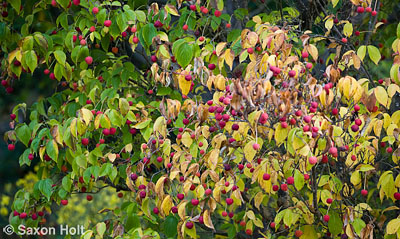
(189,225)
(344,40)
(64,202)
(95,10)
(180,196)
(326,218)
(364,192)
(11,147)
(217,13)
(397,196)
(107,23)
(256,146)
(185,27)
(229,201)
(290,180)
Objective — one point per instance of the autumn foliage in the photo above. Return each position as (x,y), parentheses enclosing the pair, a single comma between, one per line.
(242,133)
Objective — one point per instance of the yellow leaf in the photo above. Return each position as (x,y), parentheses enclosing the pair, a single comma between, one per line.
(220,47)
(258,199)
(348,29)
(182,210)
(159,189)
(160,126)
(73,128)
(381,95)
(184,85)
(257,19)
(250,215)
(213,159)
(207,219)
(393,226)
(392,89)
(87,115)
(249,151)
(167,205)
(171,9)
(229,56)
(309,232)
(219,82)
(312,49)
(281,134)
(252,37)
(329,24)
(187,140)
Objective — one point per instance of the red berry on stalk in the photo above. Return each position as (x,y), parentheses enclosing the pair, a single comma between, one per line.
(64,202)
(217,13)
(344,40)
(326,218)
(374,13)
(364,192)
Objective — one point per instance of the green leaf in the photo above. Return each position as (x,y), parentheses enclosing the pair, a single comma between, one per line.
(63,20)
(60,57)
(58,71)
(184,54)
(170,226)
(335,224)
(164,91)
(115,117)
(398,31)
(52,149)
(358,225)
(30,59)
(298,180)
(101,16)
(141,16)
(24,134)
(45,187)
(64,3)
(123,106)
(16,4)
(374,54)
(101,228)
(220,5)
(148,32)
(67,183)
(362,50)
